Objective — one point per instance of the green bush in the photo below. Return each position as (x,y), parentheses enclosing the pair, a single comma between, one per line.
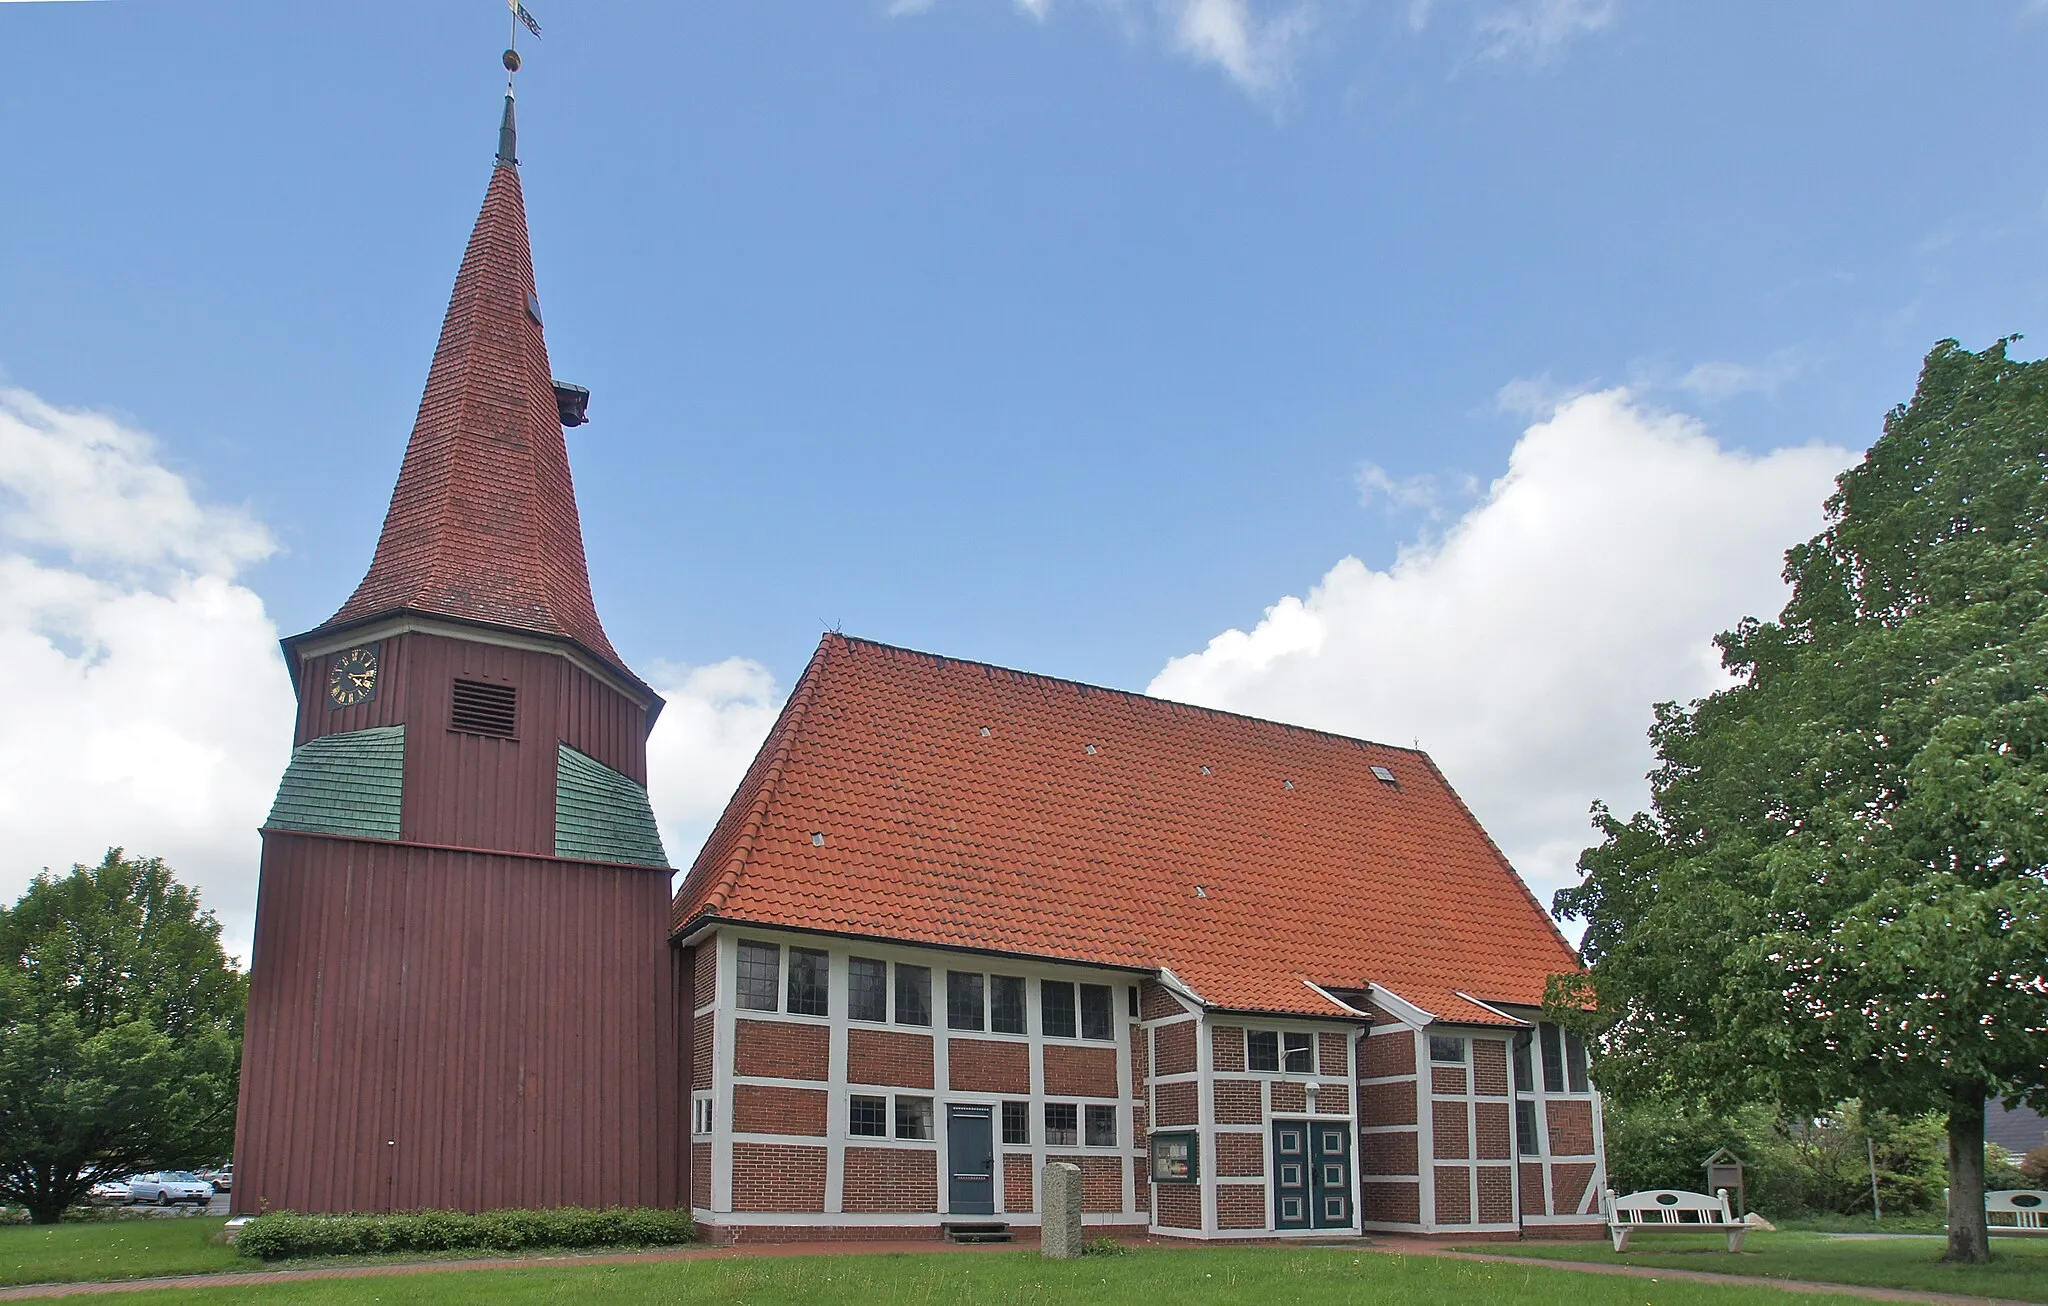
(283,1235)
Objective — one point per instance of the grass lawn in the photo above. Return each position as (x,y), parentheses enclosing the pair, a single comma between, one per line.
(2019,1266)
(1266,1277)
(113,1249)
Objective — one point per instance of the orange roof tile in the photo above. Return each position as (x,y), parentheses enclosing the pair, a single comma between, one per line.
(967,805)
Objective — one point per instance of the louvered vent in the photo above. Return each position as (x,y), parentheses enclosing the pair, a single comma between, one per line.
(480,709)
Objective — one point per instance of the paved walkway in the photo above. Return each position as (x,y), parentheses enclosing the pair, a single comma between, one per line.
(1384,1246)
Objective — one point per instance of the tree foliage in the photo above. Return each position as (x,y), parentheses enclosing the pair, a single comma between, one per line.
(120,1032)
(1839,889)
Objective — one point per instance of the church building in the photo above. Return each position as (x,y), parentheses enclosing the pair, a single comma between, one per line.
(958,921)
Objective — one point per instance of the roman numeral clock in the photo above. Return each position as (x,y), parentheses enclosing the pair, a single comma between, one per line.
(353,677)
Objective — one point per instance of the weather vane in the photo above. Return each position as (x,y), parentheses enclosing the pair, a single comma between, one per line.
(520,15)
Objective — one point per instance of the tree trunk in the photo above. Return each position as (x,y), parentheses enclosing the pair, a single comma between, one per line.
(1967,1240)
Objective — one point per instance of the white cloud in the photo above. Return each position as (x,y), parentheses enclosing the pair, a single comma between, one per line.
(1723,380)
(1525,647)
(1539,30)
(1257,52)
(148,706)
(716,718)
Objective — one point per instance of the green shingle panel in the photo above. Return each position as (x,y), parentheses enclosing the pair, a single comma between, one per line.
(349,783)
(601,816)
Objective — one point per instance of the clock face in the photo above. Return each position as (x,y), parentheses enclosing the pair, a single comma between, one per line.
(353,678)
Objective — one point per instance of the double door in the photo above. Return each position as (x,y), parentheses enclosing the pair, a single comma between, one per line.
(1311,1174)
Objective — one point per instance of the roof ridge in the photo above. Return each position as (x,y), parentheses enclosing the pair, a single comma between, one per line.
(1134,694)
(776,750)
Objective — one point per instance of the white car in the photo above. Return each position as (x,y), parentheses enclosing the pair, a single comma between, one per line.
(164,1187)
(111,1190)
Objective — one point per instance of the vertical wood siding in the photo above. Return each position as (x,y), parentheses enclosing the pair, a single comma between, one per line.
(450,1030)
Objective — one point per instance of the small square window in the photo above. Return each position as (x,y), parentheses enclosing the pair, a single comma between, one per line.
(963,1000)
(1262,1049)
(1298,1052)
(1442,1048)
(1526,1140)
(867,1117)
(914,1118)
(1098,1012)
(1056,1008)
(760,976)
(1006,1005)
(913,994)
(700,1116)
(1132,1003)
(1552,1038)
(1173,1159)
(867,989)
(1016,1124)
(1101,1122)
(1062,1124)
(1525,1079)
(810,982)
(1575,1062)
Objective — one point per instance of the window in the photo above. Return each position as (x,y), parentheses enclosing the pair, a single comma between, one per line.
(1526,1141)
(1101,1125)
(810,982)
(1006,1004)
(1131,996)
(700,1116)
(1575,1061)
(479,709)
(914,1118)
(760,964)
(1056,1008)
(1016,1124)
(867,1117)
(1553,1057)
(1442,1048)
(1062,1124)
(963,1000)
(867,989)
(913,995)
(1262,1049)
(1525,1079)
(1298,1052)
(1173,1159)
(1098,1012)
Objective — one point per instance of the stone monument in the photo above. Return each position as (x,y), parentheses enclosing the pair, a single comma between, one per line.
(1060,1235)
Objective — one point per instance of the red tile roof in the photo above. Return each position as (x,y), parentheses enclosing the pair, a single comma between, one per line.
(960,805)
(483,523)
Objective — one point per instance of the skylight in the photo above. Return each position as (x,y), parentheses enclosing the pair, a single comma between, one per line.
(1383,775)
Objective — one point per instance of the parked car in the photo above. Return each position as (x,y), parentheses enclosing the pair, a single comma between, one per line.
(223,1179)
(165,1187)
(111,1190)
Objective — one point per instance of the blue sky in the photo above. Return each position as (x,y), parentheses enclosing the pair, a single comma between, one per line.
(1070,335)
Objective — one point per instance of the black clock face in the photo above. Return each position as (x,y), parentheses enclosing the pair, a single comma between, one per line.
(353,678)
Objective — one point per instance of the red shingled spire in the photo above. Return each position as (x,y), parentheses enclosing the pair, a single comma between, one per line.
(483,523)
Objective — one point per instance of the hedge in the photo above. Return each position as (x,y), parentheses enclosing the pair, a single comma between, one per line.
(282,1235)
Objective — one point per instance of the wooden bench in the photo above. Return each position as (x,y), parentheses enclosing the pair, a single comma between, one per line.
(1670,1210)
(2016,1210)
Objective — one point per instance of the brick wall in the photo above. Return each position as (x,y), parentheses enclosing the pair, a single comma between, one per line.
(1139,1073)
(1238,1102)
(779,1050)
(776,1177)
(700,1175)
(1080,1072)
(1102,1181)
(1568,1187)
(1289,1097)
(1241,1206)
(704,972)
(1180,1206)
(1447,1079)
(1173,1048)
(1333,1099)
(767,1109)
(1453,1195)
(1534,1199)
(1388,1104)
(1174,1104)
(977,1065)
(1449,1141)
(700,1042)
(1393,1203)
(1017,1182)
(876,1056)
(1387,1054)
(1492,1138)
(1388,1154)
(1226,1048)
(1241,1154)
(1155,1003)
(1496,1195)
(1333,1053)
(891,1179)
(1571,1128)
(1489,1068)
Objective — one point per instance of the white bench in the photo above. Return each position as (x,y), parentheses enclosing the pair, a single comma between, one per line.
(2026,1207)
(1670,1210)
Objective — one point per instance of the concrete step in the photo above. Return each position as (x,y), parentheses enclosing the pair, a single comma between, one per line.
(990,1231)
